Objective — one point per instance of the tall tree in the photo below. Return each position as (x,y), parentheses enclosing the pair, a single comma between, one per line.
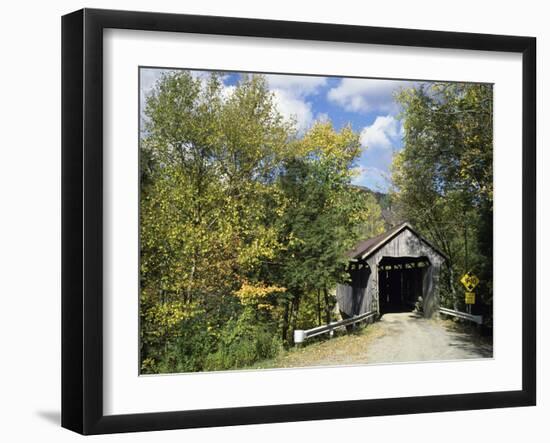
(444,175)
(324,215)
(241,218)
(209,161)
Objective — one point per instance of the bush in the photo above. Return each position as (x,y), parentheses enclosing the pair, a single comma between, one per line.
(200,343)
(242,343)
(184,353)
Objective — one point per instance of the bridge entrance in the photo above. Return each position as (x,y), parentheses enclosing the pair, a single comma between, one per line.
(396,268)
(400,282)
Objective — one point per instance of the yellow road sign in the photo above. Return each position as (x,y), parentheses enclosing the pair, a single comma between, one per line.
(470,298)
(470,281)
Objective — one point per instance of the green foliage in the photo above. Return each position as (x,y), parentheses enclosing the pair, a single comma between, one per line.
(243,342)
(240,218)
(323,215)
(444,178)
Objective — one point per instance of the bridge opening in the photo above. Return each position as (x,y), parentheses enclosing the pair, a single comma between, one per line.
(400,282)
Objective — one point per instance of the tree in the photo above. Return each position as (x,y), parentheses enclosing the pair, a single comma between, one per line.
(444,176)
(324,215)
(241,219)
(210,161)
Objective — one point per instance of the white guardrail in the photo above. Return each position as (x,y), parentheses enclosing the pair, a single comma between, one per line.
(475,318)
(301,335)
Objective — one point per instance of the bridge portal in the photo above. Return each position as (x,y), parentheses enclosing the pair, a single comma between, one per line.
(391,272)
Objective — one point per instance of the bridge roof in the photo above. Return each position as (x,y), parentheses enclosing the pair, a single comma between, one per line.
(366,248)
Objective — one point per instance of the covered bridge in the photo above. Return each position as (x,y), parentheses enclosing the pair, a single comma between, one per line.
(390,272)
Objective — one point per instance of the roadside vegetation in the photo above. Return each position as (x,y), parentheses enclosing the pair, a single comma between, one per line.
(443,180)
(245,222)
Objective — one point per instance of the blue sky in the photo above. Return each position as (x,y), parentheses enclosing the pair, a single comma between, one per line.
(367,104)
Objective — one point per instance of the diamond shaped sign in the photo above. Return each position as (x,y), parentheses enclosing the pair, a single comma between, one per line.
(470,281)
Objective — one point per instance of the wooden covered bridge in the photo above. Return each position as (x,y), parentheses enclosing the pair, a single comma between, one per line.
(390,272)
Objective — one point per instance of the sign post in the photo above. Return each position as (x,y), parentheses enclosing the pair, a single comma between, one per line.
(470,281)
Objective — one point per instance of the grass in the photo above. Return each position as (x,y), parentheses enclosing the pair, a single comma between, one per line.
(324,351)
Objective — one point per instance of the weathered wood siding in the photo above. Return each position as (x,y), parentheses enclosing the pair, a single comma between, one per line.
(404,244)
(353,300)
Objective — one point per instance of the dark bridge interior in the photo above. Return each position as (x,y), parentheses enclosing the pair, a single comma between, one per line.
(400,282)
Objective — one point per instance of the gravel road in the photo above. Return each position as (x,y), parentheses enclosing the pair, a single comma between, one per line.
(405,336)
(396,337)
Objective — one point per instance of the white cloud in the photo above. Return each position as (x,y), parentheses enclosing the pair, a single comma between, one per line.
(297,85)
(380,141)
(292,107)
(291,92)
(322,117)
(384,133)
(366,95)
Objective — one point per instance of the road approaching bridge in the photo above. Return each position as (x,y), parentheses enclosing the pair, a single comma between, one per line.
(407,337)
(396,337)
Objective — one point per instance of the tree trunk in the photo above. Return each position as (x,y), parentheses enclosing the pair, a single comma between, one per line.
(285,324)
(452,286)
(294,316)
(318,307)
(327,306)
(189,297)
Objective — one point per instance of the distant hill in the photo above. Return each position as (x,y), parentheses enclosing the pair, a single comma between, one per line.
(389,213)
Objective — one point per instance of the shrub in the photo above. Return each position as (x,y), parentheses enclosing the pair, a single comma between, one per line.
(244,342)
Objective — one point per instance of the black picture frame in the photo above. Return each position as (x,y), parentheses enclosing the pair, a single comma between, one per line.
(82,215)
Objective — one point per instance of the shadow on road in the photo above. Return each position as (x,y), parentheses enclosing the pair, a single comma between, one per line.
(469,338)
(485,350)
(417,315)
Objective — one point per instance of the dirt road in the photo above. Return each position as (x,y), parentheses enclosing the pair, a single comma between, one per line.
(409,337)
(396,337)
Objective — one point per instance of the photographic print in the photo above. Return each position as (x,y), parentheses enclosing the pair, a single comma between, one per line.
(303,221)
(254,204)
